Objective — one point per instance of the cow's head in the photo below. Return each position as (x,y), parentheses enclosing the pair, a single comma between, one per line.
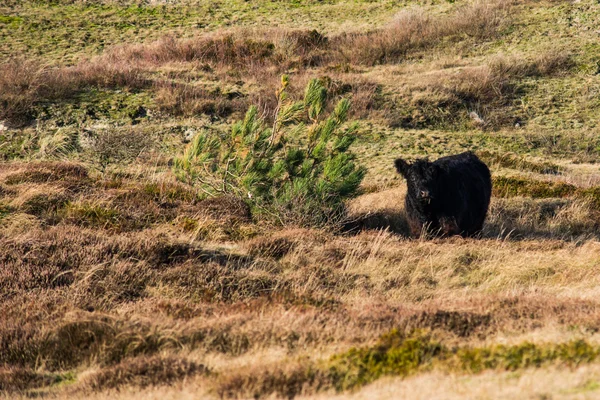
(422,178)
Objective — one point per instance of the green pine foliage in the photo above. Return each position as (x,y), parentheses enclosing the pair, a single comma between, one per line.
(299,170)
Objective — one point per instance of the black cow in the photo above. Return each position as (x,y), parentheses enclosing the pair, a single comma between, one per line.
(449,196)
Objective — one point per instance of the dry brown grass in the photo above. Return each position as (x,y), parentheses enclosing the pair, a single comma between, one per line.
(414,30)
(257,54)
(121,283)
(25,83)
(143,371)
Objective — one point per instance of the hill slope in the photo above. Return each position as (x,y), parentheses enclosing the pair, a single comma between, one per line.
(118,281)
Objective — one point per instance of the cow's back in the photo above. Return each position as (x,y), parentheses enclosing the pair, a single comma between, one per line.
(467,190)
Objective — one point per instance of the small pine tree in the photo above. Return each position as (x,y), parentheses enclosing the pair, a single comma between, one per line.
(297,171)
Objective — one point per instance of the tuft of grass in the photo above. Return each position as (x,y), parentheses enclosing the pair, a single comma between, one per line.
(144,371)
(395,354)
(524,355)
(16,379)
(44,172)
(92,215)
(41,202)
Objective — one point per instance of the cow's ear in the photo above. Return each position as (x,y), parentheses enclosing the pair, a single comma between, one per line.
(401,166)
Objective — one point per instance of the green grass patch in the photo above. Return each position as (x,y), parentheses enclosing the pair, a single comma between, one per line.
(66,31)
(592,195)
(393,355)
(400,355)
(91,215)
(4,210)
(170,192)
(10,21)
(504,186)
(524,355)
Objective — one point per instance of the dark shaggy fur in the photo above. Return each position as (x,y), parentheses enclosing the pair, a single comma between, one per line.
(449,196)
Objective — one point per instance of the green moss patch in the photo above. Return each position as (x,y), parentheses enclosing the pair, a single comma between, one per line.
(504,186)
(523,355)
(393,355)
(401,355)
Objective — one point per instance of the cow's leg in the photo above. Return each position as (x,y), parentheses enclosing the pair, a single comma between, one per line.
(415,226)
(449,227)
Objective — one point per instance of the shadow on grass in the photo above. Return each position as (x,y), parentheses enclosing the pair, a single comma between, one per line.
(515,219)
(394,221)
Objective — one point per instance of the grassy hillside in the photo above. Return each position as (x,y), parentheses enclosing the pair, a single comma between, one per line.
(117,280)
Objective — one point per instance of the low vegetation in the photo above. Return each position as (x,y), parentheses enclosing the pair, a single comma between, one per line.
(289,172)
(198,199)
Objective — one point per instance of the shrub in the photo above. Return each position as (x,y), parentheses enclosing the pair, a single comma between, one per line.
(116,146)
(298,171)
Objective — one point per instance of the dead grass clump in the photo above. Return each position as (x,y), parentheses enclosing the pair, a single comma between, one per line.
(410,30)
(107,75)
(41,201)
(270,247)
(189,100)
(535,218)
(414,30)
(67,340)
(380,210)
(579,217)
(545,64)
(140,209)
(213,282)
(462,324)
(365,95)
(285,381)
(144,371)
(43,172)
(26,83)
(116,146)
(19,83)
(5,191)
(299,48)
(246,50)
(394,221)
(479,19)
(155,249)
(54,257)
(170,190)
(106,285)
(476,96)
(95,215)
(225,207)
(591,195)
(223,49)
(82,337)
(16,379)
(278,244)
(12,224)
